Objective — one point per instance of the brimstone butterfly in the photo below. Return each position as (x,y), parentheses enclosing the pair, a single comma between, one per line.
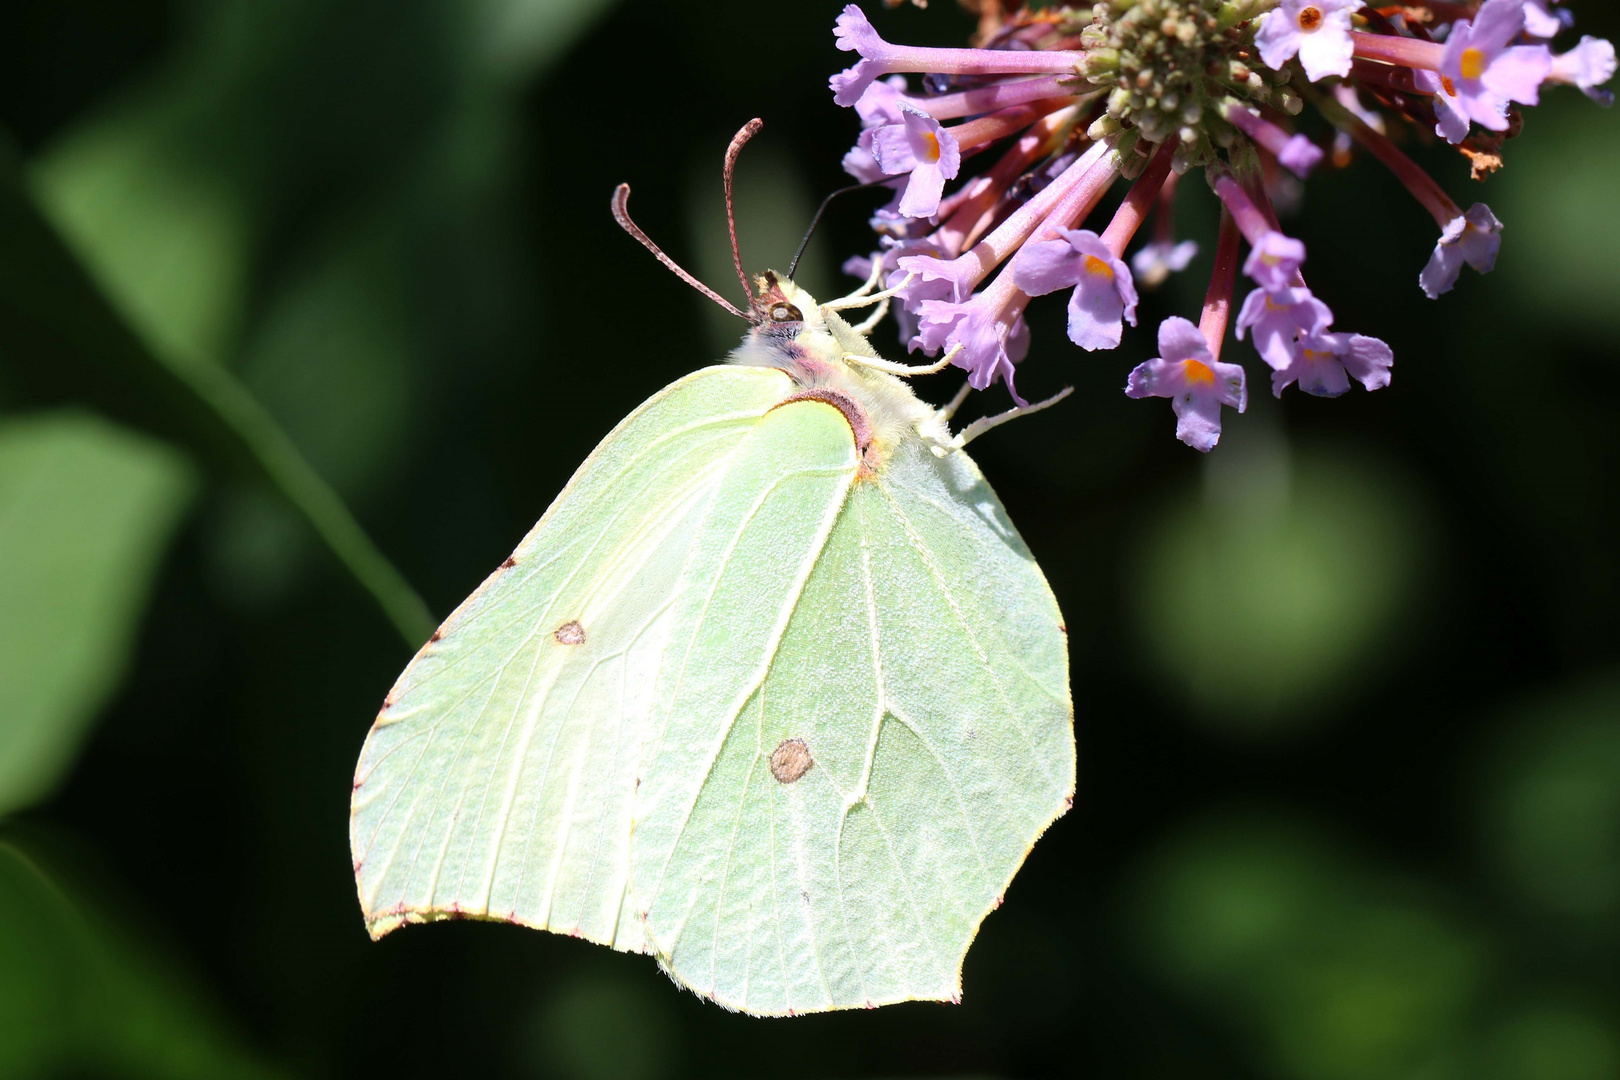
(773,692)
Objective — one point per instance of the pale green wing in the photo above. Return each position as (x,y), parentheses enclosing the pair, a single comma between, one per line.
(831,808)
(498,779)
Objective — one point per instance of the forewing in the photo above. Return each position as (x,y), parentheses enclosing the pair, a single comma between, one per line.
(843,824)
(498,780)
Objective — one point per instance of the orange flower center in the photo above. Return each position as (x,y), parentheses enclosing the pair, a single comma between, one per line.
(1451,87)
(1096,266)
(1473,63)
(1197,371)
(1310,19)
(932,153)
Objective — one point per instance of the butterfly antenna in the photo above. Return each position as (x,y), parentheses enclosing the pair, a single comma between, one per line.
(738,141)
(621,214)
(822,209)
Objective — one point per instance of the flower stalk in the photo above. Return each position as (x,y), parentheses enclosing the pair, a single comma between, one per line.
(1218,300)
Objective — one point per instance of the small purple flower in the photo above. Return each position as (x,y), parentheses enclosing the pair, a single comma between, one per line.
(1195,382)
(1296,153)
(890,252)
(1274,261)
(880,105)
(854,33)
(878,57)
(859,162)
(1317,30)
(1481,70)
(1104,296)
(1158,260)
(1299,156)
(989,327)
(1278,319)
(934,278)
(1451,117)
(1588,66)
(1474,238)
(1324,363)
(920,146)
(887,220)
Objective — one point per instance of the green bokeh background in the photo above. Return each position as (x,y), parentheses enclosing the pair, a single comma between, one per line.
(1347,691)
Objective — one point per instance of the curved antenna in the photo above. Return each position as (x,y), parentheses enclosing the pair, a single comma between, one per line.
(621,214)
(738,141)
(822,209)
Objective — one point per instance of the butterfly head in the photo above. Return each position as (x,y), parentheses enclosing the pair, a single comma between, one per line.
(792,331)
(780,306)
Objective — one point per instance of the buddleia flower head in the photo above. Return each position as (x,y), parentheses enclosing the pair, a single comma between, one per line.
(1066,100)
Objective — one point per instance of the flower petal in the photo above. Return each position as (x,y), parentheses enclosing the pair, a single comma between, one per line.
(1046,266)
(1180,339)
(1368,361)
(881,102)
(1481,238)
(920,198)
(1496,24)
(1517,73)
(848,85)
(1329,50)
(853,32)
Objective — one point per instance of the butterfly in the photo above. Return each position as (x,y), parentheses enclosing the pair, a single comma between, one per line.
(773,692)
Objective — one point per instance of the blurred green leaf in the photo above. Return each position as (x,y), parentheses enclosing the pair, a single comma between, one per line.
(163,235)
(331,356)
(1280,589)
(517,37)
(1562,222)
(79,997)
(1551,792)
(86,510)
(1334,971)
(64,341)
(1550,1040)
(601,1027)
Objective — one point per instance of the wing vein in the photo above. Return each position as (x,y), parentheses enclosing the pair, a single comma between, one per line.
(784,616)
(928,559)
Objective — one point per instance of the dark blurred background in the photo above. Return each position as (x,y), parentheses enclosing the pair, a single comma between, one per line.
(1347,690)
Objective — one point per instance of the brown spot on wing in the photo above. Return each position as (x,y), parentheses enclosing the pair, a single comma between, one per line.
(790,760)
(570,633)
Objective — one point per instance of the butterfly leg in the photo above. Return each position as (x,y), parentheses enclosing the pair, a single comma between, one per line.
(985,423)
(871,283)
(905,371)
(861,298)
(867,325)
(948,410)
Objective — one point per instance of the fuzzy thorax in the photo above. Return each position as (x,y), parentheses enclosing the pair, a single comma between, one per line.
(807,341)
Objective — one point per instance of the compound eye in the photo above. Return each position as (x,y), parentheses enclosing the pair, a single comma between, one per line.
(786,313)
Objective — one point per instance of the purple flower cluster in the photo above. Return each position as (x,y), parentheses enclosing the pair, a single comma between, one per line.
(1146,90)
